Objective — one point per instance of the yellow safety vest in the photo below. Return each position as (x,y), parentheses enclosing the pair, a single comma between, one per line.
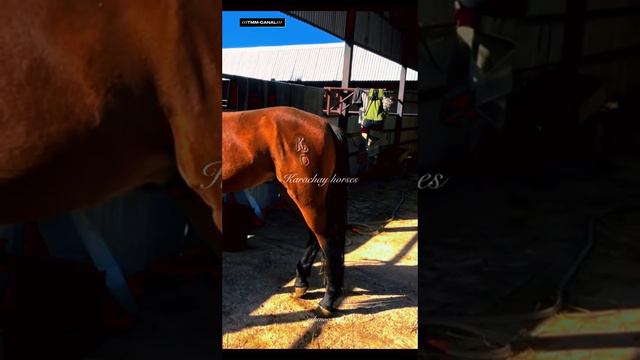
(374,110)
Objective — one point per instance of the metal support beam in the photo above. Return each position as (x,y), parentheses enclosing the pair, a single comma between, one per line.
(346,65)
(403,81)
(400,108)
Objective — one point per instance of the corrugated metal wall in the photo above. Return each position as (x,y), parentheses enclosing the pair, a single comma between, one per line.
(610,49)
(141,228)
(317,62)
(247,94)
(372,31)
(613,44)
(333,22)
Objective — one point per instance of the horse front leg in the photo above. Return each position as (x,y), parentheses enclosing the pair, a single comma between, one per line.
(303,268)
(199,214)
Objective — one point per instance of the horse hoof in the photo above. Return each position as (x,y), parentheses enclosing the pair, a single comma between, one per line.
(298,292)
(323,312)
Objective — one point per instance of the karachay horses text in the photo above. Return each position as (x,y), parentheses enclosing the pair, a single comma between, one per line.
(100,97)
(272,144)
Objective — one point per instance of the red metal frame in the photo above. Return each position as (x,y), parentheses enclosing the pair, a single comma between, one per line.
(342,95)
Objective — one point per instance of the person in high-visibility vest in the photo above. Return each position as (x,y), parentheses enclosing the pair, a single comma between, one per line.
(373,116)
(374,112)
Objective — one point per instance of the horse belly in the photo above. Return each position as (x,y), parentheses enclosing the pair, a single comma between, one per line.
(83,167)
(242,173)
(88,170)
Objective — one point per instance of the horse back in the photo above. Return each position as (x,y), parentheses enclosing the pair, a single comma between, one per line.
(267,144)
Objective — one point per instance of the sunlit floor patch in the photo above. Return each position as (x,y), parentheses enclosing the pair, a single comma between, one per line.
(613,334)
(604,354)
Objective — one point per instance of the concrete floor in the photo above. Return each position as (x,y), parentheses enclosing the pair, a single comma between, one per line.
(379,309)
(602,316)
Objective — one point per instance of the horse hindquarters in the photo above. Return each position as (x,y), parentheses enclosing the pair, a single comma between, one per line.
(331,232)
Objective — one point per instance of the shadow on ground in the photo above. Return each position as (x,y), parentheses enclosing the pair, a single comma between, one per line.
(501,246)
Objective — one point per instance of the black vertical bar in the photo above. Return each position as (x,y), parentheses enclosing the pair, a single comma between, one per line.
(349,31)
(574,34)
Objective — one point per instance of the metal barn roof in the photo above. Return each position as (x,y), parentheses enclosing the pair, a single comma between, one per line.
(315,62)
(390,33)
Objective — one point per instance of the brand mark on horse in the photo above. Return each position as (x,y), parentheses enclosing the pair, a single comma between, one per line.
(302,148)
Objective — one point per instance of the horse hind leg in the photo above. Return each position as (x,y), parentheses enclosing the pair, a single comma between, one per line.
(317,218)
(334,275)
(303,267)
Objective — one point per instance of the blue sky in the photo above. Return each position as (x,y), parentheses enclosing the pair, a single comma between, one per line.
(296,32)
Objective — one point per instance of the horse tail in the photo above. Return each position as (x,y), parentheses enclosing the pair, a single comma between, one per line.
(337,193)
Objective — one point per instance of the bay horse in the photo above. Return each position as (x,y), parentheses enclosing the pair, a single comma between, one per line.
(100,97)
(288,145)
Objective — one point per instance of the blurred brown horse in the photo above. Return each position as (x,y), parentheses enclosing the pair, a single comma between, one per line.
(100,97)
(307,156)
